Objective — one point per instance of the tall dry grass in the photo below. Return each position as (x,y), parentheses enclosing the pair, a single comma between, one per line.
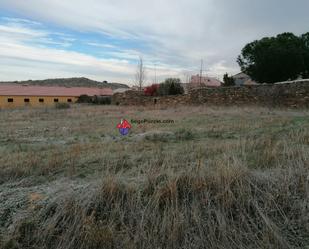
(218,178)
(227,206)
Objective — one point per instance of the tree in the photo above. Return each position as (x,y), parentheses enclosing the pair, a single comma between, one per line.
(274,59)
(171,86)
(228,81)
(305,42)
(140,75)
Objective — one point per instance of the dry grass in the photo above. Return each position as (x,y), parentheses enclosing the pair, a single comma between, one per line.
(217,178)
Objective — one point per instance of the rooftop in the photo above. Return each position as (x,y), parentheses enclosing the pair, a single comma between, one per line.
(27,90)
(205,81)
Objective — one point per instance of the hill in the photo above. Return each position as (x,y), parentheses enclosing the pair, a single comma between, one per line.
(71,82)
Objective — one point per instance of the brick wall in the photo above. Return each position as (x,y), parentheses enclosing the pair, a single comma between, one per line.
(293,94)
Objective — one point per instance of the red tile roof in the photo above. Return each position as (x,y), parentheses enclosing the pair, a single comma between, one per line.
(28,90)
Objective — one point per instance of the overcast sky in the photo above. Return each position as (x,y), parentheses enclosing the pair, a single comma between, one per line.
(102,39)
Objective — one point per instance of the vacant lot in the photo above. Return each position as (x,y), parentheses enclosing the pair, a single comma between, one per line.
(215,178)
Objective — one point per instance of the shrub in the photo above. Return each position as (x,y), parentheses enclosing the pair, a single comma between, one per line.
(171,86)
(84,99)
(228,81)
(102,100)
(99,100)
(151,90)
(62,106)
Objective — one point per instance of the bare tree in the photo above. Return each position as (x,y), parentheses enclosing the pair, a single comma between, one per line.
(140,75)
(201,72)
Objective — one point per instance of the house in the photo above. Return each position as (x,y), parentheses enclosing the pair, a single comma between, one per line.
(242,79)
(14,95)
(204,81)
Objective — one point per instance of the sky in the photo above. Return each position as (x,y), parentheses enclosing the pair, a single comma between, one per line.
(103,39)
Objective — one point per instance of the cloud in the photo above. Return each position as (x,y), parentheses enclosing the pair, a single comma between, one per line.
(22,30)
(26,62)
(20,33)
(175,34)
(21,60)
(57,61)
(95,44)
(19,52)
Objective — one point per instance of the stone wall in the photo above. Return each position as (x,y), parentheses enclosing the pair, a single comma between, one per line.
(289,94)
(138,98)
(293,94)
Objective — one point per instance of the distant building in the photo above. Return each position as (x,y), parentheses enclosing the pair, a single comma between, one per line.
(242,79)
(136,88)
(121,90)
(14,95)
(204,81)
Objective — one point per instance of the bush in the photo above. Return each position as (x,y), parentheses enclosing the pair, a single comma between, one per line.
(171,86)
(228,81)
(62,106)
(99,100)
(85,99)
(151,90)
(102,100)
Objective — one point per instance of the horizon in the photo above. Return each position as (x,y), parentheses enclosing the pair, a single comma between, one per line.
(103,40)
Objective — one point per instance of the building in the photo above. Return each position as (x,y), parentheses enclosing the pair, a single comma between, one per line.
(242,79)
(204,81)
(14,95)
(136,88)
(121,90)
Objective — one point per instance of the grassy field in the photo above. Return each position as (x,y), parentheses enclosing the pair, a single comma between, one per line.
(218,177)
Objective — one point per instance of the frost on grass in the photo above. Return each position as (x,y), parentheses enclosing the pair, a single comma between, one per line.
(217,178)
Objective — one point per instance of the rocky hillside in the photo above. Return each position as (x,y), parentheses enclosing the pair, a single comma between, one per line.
(71,82)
